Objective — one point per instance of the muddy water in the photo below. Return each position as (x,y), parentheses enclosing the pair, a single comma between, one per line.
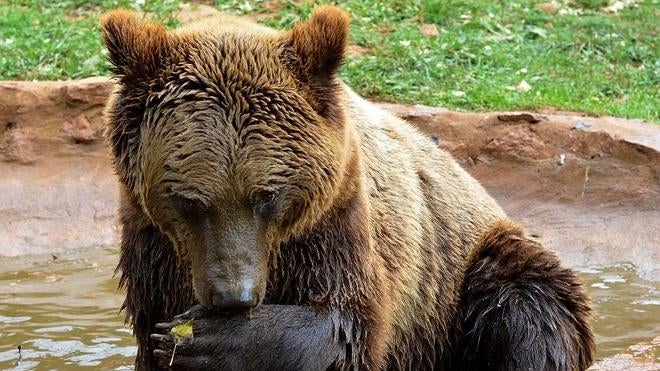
(627,308)
(64,312)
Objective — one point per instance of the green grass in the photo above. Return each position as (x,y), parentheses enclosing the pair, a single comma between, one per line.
(579,58)
(46,40)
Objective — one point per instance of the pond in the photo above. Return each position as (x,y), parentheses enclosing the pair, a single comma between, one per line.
(64,311)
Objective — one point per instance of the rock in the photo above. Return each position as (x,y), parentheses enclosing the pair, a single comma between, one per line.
(18,98)
(429,30)
(647,349)
(546,7)
(616,6)
(523,87)
(80,129)
(520,117)
(44,113)
(16,145)
(624,362)
(581,125)
(562,159)
(638,357)
(519,142)
(91,91)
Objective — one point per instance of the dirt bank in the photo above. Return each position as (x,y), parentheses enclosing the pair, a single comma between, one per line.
(57,189)
(588,187)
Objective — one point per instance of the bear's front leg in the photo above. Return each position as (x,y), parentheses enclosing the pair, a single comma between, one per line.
(271,337)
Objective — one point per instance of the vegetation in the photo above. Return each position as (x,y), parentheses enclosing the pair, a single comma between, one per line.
(485,55)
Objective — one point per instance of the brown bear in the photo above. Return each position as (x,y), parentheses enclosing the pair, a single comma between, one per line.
(306,228)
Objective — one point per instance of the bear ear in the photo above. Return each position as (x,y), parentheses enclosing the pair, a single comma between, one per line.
(315,50)
(136,48)
(320,42)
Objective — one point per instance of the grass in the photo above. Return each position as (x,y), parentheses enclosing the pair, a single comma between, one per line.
(577,58)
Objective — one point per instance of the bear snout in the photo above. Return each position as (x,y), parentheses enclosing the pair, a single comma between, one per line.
(241,296)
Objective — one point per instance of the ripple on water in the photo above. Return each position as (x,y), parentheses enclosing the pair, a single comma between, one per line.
(8,320)
(54,329)
(647,302)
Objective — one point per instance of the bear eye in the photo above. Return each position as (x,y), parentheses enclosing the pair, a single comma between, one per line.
(266,203)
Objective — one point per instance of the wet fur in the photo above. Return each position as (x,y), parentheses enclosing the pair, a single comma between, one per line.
(380,226)
(520,309)
(149,269)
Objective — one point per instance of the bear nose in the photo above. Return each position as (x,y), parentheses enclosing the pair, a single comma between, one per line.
(241,298)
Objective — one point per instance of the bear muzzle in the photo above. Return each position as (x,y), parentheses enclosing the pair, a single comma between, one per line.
(241,296)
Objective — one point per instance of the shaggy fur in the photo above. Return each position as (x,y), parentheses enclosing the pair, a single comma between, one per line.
(241,152)
(148,254)
(520,308)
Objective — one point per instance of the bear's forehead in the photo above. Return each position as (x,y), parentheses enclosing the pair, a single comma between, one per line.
(243,77)
(231,81)
(234,59)
(230,107)
(212,139)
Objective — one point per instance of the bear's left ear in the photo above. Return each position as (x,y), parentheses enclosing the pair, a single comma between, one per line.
(318,47)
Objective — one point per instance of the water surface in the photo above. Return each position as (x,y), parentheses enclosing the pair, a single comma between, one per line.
(64,311)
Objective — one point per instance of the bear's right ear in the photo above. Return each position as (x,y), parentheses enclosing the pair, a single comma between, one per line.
(139,51)
(136,48)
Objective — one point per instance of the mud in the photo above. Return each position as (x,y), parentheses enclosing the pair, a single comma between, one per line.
(57,189)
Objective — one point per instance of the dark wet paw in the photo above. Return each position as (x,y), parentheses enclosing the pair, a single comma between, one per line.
(187,355)
(164,346)
(183,354)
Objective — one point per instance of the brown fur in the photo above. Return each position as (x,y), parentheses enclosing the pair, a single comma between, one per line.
(140,48)
(515,279)
(147,257)
(370,219)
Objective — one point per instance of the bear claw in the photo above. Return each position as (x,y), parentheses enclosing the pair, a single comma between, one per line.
(160,337)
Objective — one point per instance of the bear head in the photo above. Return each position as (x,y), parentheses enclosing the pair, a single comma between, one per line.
(231,137)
